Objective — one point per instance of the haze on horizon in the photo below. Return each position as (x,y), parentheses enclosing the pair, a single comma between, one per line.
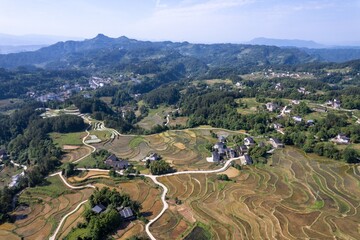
(208,21)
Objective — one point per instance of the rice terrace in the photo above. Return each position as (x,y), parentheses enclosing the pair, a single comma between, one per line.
(294,196)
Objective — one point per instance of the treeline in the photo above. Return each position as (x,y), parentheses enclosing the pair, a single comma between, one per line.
(163,95)
(16,83)
(315,139)
(6,198)
(219,109)
(26,137)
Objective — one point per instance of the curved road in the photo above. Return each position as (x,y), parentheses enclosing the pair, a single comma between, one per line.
(53,237)
(152,177)
(83,140)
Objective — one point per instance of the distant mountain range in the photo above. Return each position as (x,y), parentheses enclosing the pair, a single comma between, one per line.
(286,43)
(104,53)
(14,44)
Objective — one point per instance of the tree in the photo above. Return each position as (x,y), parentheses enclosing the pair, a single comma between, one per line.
(351,156)
(69,169)
(160,167)
(223,177)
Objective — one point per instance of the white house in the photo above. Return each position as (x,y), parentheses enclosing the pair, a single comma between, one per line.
(341,139)
(297,119)
(249,141)
(271,106)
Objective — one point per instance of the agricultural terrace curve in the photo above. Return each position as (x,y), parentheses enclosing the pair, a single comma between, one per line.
(152,177)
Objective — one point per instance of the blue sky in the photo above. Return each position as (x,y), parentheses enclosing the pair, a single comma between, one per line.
(325,21)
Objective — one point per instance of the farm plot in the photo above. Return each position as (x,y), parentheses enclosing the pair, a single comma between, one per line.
(297,197)
(62,139)
(42,208)
(184,149)
(155,117)
(143,191)
(75,153)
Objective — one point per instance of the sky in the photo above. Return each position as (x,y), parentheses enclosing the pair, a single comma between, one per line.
(198,21)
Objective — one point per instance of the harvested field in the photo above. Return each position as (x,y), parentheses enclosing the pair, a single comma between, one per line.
(70,147)
(88,175)
(185,149)
(298,197)
(231,172)
(75,153)
(46,206)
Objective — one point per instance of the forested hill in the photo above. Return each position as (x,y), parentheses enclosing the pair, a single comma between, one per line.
(104,53)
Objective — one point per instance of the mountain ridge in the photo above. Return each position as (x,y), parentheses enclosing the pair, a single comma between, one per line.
(73,53)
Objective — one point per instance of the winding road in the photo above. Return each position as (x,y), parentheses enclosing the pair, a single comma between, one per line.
(154,178)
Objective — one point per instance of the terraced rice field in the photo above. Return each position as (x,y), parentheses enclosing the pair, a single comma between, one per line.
(73,155)
(47,205)
(297,197)
(185,149)
(143,191)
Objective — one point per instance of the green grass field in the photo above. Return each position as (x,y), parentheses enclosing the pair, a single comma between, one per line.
(155,117)
(62,139)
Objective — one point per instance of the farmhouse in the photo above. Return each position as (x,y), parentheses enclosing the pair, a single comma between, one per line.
(220,148)
(231,153)
(114,162)
(15,179)
(98,208)
(215,157)
(271,106)
(297,119)
(243,149)
(295,102)
(341,139)
(249,141)
(279,87)
(303,91)
(246,160)
(222,139)
(310,122)
(3,154)
(127,213)
(152,157)
(335,103)
(277,126)
(276,143)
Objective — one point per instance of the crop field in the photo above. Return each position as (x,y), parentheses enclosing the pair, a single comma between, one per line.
(181,121)
(6,172)
(155,117)
(74,154)
(42,208)
(62,139)
(143,191)
(185,149)
(294,197)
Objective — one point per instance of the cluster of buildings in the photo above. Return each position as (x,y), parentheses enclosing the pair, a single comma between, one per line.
(151,157)
(125,212)
(97,82)
(334,103)
(67,90)
(115,163)
(341,139)
(220,151)
(303,90)
(272,74)
(271,107)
